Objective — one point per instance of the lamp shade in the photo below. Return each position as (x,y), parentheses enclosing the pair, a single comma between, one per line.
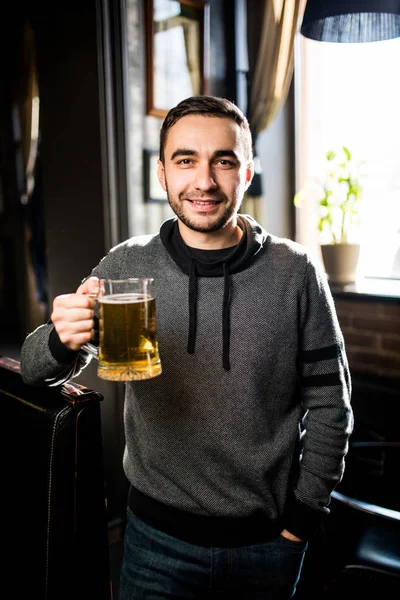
(351,21)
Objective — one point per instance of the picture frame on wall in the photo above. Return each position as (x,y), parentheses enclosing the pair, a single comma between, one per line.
(177,52)
(153,192)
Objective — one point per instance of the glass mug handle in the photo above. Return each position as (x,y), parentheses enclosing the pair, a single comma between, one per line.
(89,347)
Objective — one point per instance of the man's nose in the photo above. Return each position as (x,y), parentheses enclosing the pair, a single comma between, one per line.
(205,178)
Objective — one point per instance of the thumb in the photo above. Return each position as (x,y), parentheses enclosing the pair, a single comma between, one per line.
(89,286)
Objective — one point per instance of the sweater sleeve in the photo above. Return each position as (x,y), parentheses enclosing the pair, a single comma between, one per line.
(45,360)
(325,390)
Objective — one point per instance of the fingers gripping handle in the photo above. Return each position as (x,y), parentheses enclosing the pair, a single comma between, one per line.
(88,347)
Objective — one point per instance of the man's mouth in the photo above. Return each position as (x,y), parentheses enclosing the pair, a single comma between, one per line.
(204,202)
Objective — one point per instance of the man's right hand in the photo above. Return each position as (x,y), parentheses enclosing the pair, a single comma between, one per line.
(73,314)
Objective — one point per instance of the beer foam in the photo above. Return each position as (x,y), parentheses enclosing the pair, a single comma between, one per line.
(125,298)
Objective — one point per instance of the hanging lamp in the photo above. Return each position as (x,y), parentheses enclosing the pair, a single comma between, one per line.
(351,21)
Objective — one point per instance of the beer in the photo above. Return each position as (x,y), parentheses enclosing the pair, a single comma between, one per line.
(128,337)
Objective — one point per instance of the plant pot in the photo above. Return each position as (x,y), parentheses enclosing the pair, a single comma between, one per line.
(340,262)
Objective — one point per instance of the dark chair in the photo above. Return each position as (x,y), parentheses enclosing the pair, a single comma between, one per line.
(55,535)
(362,536)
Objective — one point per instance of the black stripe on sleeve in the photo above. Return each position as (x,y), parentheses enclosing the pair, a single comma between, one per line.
(321,380)
(310,356)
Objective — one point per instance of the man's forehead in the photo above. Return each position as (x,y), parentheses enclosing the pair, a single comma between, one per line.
(206,121)
(213,130)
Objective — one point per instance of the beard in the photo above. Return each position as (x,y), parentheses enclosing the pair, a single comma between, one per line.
(200,224)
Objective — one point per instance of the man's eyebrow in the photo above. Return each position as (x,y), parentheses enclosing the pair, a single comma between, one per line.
(183,152)
(217,153)
(232,153)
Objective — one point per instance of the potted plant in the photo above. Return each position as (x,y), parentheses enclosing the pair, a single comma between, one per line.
(338,197)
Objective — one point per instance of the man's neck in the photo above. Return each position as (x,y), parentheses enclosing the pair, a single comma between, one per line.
(227,237)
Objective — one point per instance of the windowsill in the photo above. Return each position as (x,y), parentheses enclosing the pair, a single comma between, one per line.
(369,288)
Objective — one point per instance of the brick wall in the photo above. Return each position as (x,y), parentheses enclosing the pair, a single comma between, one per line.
(371,329)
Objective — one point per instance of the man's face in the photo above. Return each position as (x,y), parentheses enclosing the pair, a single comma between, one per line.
(206,172)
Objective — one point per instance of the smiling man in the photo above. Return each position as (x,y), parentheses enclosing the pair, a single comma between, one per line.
(233,451)
(206,178)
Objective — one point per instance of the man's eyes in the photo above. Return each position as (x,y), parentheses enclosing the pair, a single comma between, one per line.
(223,162)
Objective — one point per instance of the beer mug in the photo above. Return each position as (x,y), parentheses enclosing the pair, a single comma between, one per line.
(128,345)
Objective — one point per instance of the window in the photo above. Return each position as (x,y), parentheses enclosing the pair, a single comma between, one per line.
(349,94)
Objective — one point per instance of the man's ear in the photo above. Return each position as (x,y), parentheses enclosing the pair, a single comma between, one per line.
(249,174)
(161,175)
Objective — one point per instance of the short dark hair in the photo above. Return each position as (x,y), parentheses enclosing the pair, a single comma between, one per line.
(211,106)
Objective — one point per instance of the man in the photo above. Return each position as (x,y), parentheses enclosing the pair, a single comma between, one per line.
(233,451)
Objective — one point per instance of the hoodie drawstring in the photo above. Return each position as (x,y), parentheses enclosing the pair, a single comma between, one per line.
(192,306)
(226,328)
(220,262)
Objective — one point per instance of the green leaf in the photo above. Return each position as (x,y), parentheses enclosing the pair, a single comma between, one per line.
(347,152)
(330,155)
(297,200)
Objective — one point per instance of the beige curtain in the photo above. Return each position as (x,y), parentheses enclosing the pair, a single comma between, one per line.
(191,31)
(271,29)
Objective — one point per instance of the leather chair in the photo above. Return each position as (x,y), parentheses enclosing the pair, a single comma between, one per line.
(356,551)
(55,537)
(363,532)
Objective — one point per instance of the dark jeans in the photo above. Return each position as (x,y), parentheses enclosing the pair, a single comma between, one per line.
(159,566)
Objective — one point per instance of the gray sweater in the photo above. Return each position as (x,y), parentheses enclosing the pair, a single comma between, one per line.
(263,442)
